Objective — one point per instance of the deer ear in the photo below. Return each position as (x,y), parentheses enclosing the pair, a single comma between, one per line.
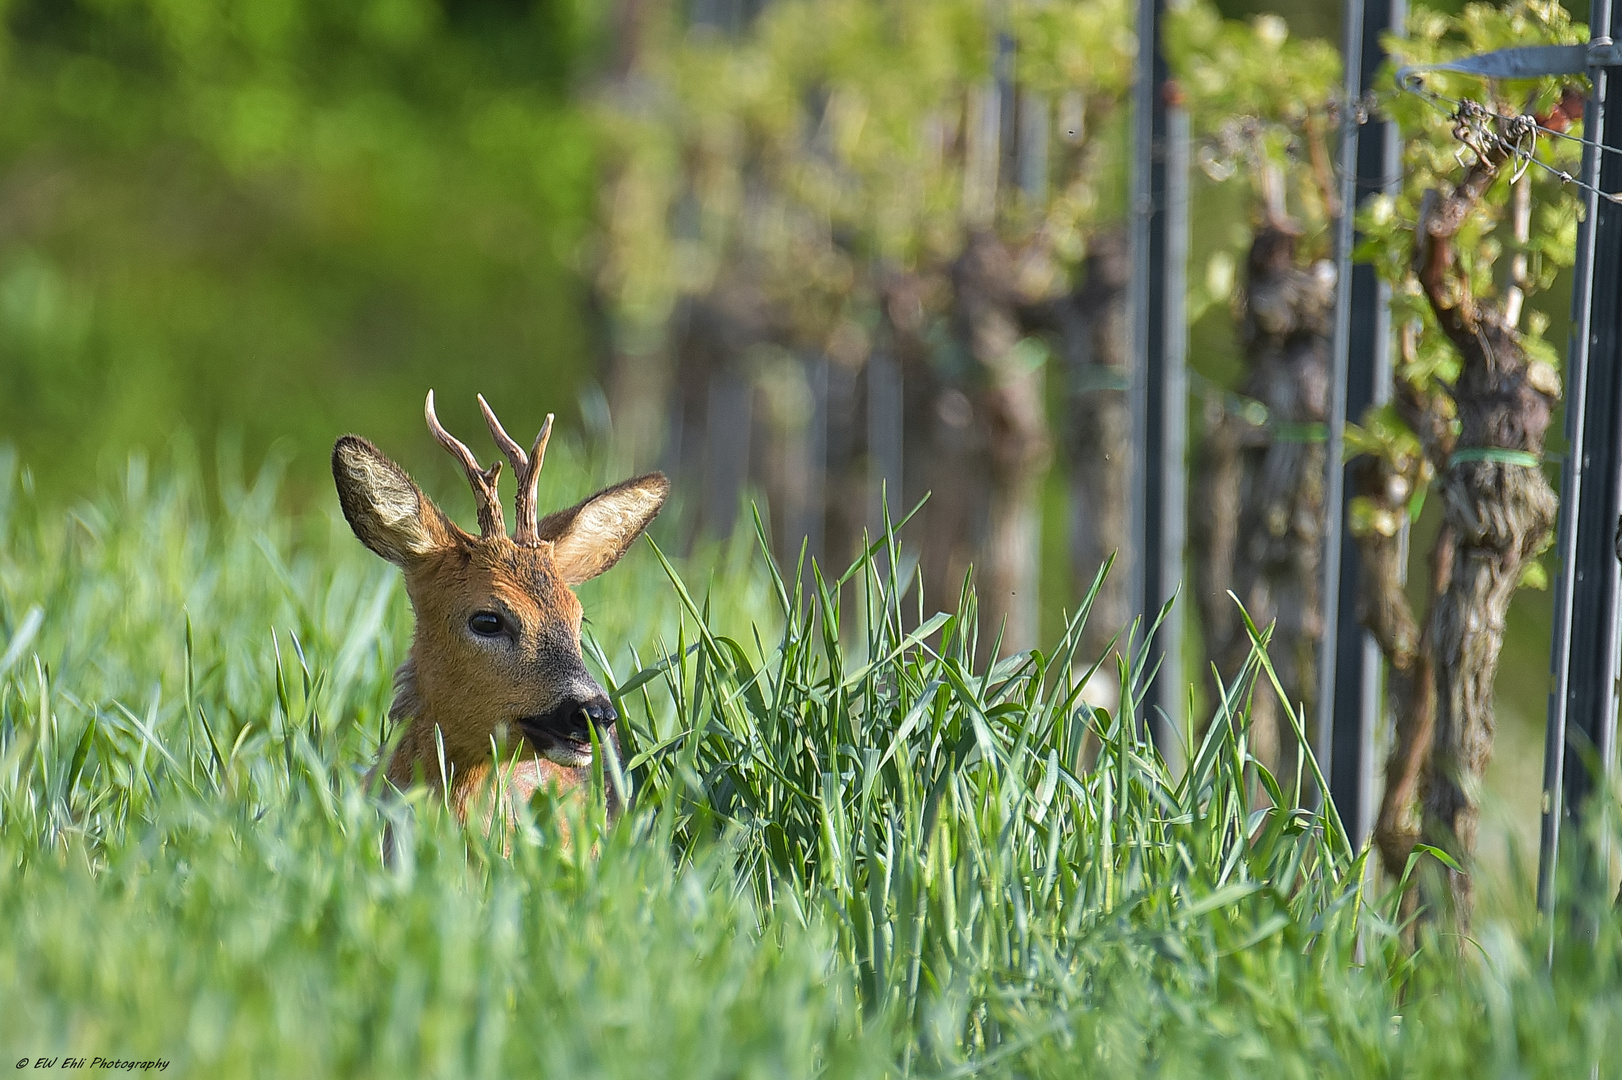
(590,537)
(388,512)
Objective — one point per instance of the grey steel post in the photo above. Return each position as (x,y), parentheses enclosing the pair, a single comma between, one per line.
(1349,661)
(1582,698)
(1173,697)
(1159,383)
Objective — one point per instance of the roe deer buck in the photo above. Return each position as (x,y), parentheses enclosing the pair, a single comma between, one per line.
(495,656)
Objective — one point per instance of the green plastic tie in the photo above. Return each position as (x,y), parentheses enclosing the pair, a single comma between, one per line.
(1101,377)
(1501,454)
(1306,432)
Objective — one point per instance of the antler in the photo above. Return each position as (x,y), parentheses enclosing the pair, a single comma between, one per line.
(526,467)
(482,480)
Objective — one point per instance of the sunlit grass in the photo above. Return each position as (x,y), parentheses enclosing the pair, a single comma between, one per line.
(852,851)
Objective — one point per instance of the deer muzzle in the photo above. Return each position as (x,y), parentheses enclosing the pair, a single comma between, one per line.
(563,733)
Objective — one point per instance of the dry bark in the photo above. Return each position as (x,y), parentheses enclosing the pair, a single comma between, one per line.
(1260,507)
(943,452)
(1498,515)
(1092,326)
(1385,610)
(1214,522)
(1410,686)
(1501,514)
(718,338)
(986,321)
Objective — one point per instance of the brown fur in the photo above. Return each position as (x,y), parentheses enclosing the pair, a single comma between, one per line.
(525,691)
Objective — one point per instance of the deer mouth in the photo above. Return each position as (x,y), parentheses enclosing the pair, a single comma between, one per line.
(567,750)
(563,735)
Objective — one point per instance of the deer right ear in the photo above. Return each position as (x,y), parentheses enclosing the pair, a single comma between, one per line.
(388,512)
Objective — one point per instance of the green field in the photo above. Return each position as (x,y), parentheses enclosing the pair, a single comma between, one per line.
(852,852)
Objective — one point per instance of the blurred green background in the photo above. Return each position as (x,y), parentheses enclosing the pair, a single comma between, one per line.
(271,222)
(284,220)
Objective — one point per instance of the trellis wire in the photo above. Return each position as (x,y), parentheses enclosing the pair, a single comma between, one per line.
(1472,112)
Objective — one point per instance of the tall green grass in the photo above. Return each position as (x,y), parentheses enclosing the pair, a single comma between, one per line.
(852,851)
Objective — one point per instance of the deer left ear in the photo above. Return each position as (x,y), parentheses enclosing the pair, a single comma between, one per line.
(388,512)
(590,537)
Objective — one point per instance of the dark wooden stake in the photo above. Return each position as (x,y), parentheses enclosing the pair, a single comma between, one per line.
(1582,702)
(1348,656)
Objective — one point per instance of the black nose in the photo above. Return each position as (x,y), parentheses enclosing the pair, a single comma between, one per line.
(571,719)
(574,717)
(595,710)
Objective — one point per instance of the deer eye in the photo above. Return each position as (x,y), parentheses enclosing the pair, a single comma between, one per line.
(487,624)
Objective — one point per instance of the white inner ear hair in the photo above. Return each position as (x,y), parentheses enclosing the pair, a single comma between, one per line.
(603,529)
(393,500)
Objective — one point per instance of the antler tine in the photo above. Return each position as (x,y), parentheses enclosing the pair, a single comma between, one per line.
(514,452)
(527,527)
(526,467)
(483,481)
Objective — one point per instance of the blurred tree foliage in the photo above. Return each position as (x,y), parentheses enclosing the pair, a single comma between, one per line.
(834,245)
(286,218)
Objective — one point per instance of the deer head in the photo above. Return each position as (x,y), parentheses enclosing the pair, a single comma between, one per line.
(495,656)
